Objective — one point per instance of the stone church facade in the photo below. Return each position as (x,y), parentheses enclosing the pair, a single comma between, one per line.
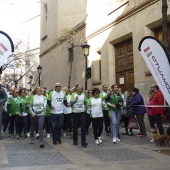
(113,29)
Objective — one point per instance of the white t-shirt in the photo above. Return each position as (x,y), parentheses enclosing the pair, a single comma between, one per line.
(68,110)
(57,99)
(96,107)
(79,106)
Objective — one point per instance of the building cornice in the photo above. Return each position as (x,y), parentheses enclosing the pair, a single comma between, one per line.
(124,16)
(60,41)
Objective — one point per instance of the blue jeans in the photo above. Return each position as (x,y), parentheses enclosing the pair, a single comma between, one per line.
(57,124)
(115,118)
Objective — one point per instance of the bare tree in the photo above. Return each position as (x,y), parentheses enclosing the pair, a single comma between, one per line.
(18,65)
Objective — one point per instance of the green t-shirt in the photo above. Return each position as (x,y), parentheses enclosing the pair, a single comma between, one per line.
(14,105)
(115,100)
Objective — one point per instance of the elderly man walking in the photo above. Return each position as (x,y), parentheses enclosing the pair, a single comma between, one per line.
(56,101)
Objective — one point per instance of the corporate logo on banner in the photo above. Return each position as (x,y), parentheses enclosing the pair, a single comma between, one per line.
(6,47)
(157,61)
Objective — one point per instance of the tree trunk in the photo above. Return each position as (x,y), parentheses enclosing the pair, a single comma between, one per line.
(71,60)
(165,27)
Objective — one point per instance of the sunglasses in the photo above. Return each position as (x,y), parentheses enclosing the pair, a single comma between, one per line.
(97,92)
(57,86)
(16,92)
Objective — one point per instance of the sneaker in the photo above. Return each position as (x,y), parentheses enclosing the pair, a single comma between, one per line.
(32,141)
(118,140)
(55,142)
(25,136)
(114,140)
(37,135)
(48,135)
(17,137)
(130,134)
(12,135)
(139,134)
(64,134)
(152,140)
(59,141)
(100,139)
(41,145)
(28,134)
(144,136)
(125,133)
(97,142)
(84,144)
(75,143)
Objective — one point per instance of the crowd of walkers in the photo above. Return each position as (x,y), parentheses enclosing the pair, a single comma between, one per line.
(59,111)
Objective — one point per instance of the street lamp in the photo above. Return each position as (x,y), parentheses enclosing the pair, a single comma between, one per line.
(39,68)
(30,77)
(86,48)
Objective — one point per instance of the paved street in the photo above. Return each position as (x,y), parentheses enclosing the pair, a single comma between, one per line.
(132,153)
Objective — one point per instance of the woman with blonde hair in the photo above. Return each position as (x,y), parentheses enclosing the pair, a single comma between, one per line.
(37,107)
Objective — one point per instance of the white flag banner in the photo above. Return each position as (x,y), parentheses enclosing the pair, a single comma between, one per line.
(6,47)
(157,61)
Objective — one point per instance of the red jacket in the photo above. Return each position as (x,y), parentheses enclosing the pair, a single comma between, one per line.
(150,110)
(158,99)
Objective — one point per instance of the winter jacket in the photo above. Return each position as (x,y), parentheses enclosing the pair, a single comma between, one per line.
(150,110)
(158,99)
(138,100)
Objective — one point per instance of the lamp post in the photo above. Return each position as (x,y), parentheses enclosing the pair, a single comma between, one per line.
(86,48)
(30,77)
(39,68)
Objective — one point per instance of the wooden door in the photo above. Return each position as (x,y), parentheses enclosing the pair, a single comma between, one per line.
(125,66)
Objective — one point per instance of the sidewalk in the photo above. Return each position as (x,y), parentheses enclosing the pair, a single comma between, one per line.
(132,153)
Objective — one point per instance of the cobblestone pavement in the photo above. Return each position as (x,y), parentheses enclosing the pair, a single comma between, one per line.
(132,153)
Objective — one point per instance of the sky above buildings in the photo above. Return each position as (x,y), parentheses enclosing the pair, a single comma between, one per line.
(16,16)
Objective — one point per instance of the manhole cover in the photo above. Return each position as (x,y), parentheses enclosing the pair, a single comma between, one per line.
(163,151)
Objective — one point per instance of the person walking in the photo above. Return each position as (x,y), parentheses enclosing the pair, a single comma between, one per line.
(25,110)
(14,110)
(79,102)
(88,117)
(139,110)
(37,107)
(105,111)
(114,103)
(95,103)
(67,113)
(56,101)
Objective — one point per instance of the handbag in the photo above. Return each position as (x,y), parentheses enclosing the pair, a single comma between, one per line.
(133,124)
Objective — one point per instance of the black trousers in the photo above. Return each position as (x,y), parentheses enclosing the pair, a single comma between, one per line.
(14,119)
(79,119)
(5,121)
(152,122)
(67,122)
(106,120)
(88,122)
(48,124)
(97,127)
(158,121)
